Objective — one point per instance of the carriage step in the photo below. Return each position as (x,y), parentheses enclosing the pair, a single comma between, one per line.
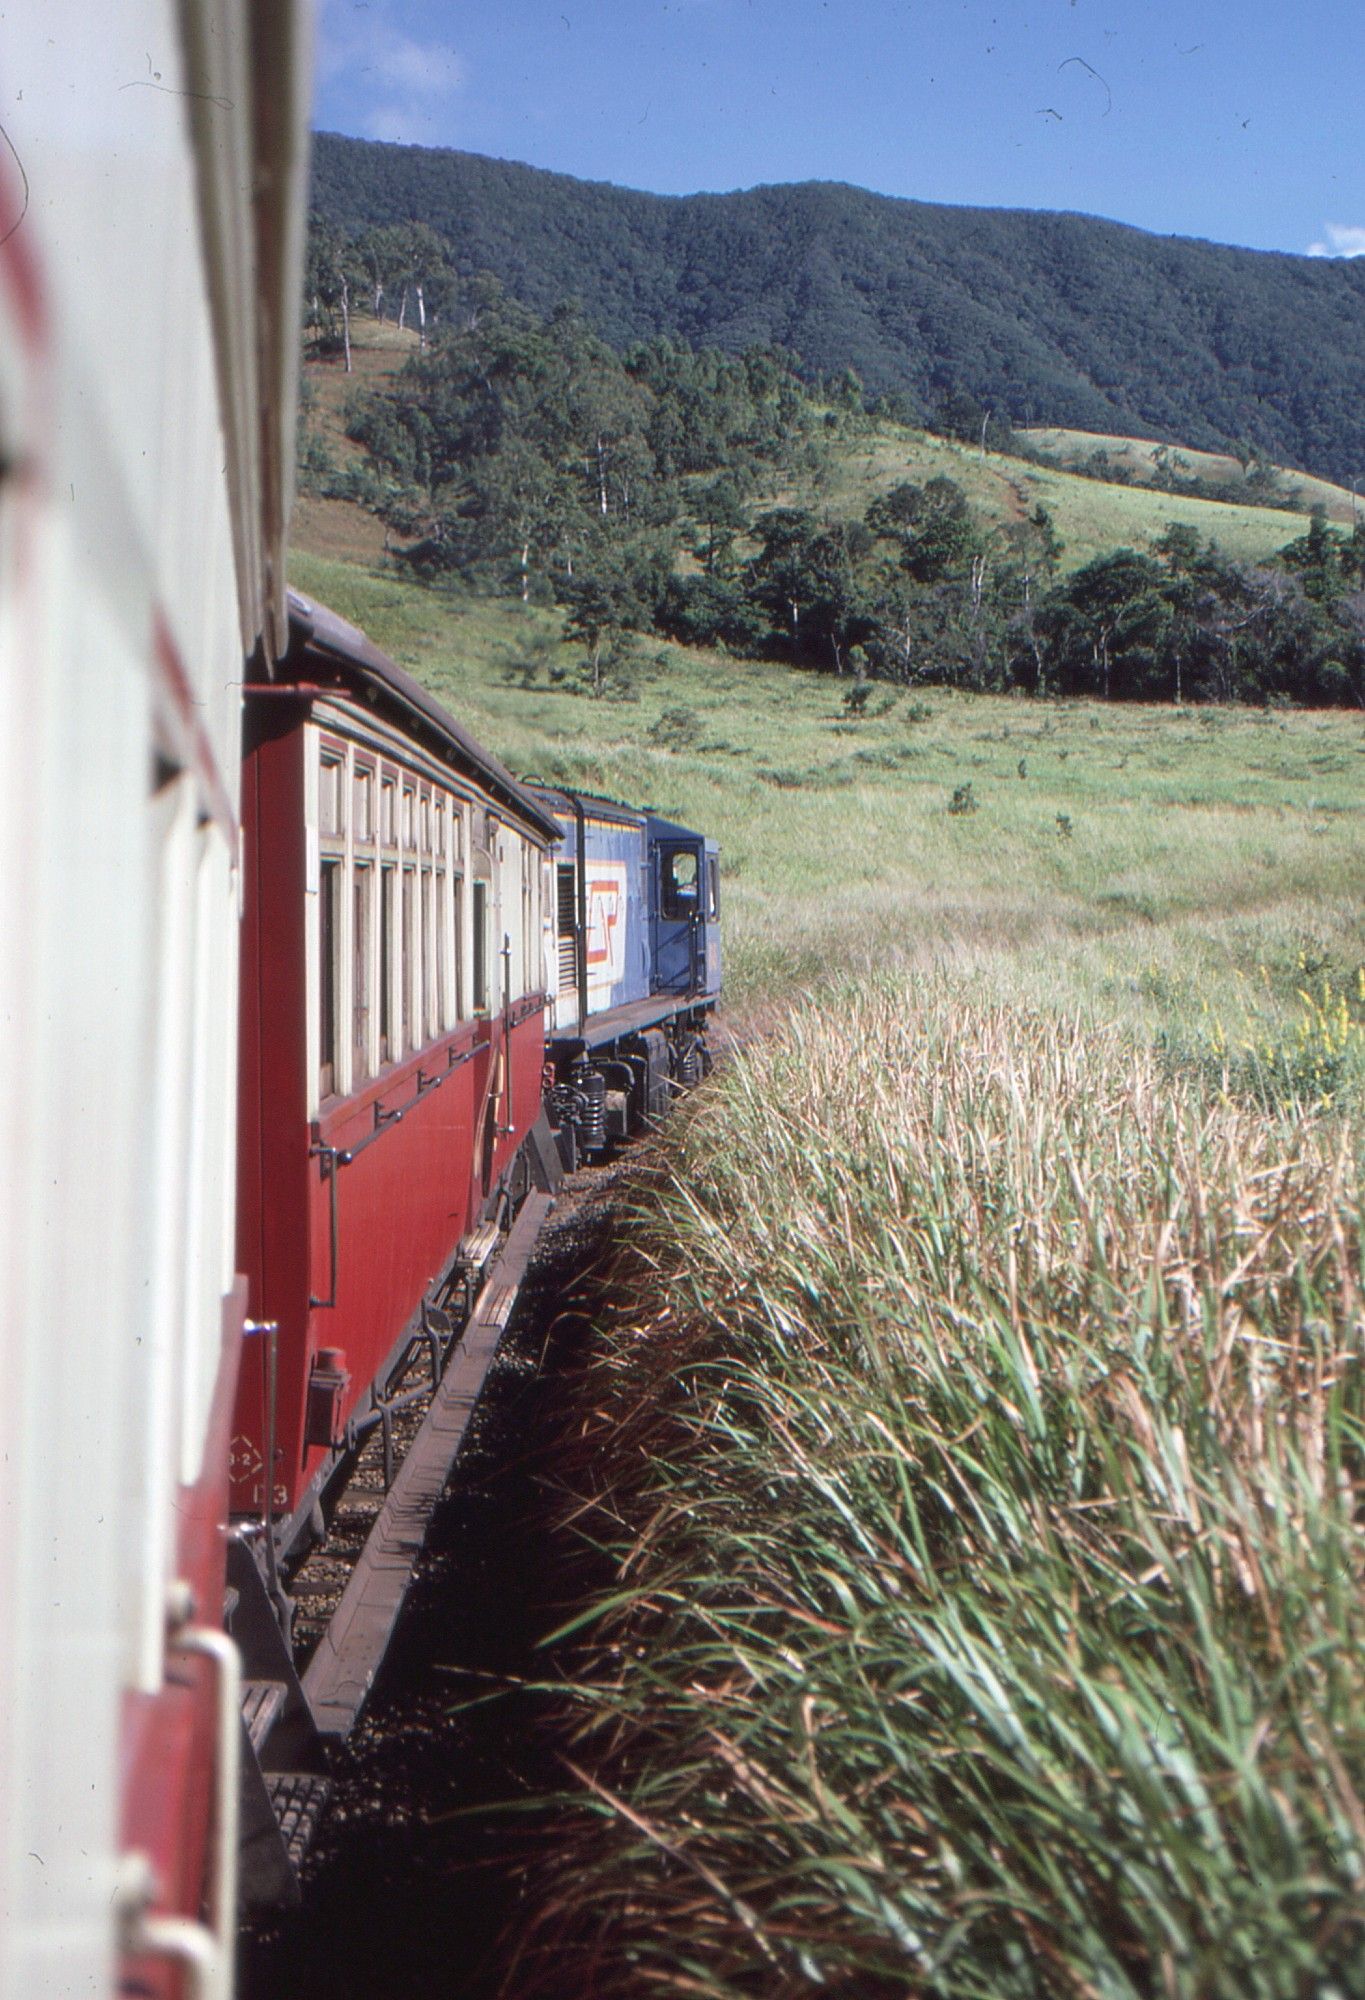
(299,1800)
(262,1702)
(341,1672)
(479,1247)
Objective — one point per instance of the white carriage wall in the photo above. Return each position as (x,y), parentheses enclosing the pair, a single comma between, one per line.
(120,665)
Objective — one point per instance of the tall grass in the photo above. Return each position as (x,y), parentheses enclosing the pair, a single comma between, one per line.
(978,1459)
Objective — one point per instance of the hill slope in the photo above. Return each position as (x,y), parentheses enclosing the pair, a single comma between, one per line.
(1091,516)
(1057,319)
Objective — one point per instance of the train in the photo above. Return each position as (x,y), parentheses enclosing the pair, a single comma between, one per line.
(309,1006)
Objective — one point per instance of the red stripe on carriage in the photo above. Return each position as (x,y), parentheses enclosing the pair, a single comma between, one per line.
(18,255)
(174,684)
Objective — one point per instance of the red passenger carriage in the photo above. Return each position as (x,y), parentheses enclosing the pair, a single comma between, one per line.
(392,1043)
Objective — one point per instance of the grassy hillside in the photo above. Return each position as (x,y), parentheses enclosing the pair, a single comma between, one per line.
(1090,516)
(1136,458)
(1060,319)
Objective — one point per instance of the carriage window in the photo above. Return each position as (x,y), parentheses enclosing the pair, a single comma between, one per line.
(443,1019)
(409,807)
(364,804)
(712,886)
(331,817)
(457,901)
(361,984)
(386,892)
(428,956)
(480,947)
(329,937)
(680,882)
(528,864)
(388,830)
(409,970)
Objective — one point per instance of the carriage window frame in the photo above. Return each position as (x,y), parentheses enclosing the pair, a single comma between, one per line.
(481,911)
(363,873)
(332,765)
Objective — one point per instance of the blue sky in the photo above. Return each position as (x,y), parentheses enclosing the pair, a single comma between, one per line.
(1238,120)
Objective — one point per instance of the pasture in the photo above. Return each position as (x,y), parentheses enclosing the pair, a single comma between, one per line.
(1091,516)
(1189,873)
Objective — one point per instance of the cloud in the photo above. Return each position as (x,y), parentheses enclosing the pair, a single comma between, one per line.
(1343,240)
(399,84)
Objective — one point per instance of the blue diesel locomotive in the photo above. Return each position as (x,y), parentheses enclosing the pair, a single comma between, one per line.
(633,970)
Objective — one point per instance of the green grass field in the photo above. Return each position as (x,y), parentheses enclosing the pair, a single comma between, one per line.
(1090,516)
(1188,872)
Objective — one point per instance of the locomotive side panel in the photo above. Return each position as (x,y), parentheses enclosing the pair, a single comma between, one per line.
(601,908)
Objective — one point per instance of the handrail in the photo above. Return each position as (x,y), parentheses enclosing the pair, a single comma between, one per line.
(213,1644)
(204,1951)
(331,1160)
(511,1015)
(334,1158)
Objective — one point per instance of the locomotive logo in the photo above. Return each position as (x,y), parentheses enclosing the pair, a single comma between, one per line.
(606,887)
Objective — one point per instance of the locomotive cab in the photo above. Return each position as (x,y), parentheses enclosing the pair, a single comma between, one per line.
(684,909)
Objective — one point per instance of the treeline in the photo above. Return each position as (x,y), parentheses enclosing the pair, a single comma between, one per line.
(637,491)
(1043,319)
(918,589)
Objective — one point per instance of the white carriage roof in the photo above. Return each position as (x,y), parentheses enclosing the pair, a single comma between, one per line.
(314,631)
(563,799)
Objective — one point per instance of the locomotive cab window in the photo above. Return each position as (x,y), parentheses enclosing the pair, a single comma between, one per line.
(712,887)
(680,882)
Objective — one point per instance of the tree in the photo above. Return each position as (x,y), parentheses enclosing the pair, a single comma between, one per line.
(720,514)
(608,594)
(812,579)
(329,272)
(1114,612)
(1317,558)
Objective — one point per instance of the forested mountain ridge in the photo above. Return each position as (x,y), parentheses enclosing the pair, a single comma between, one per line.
(1046,318)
